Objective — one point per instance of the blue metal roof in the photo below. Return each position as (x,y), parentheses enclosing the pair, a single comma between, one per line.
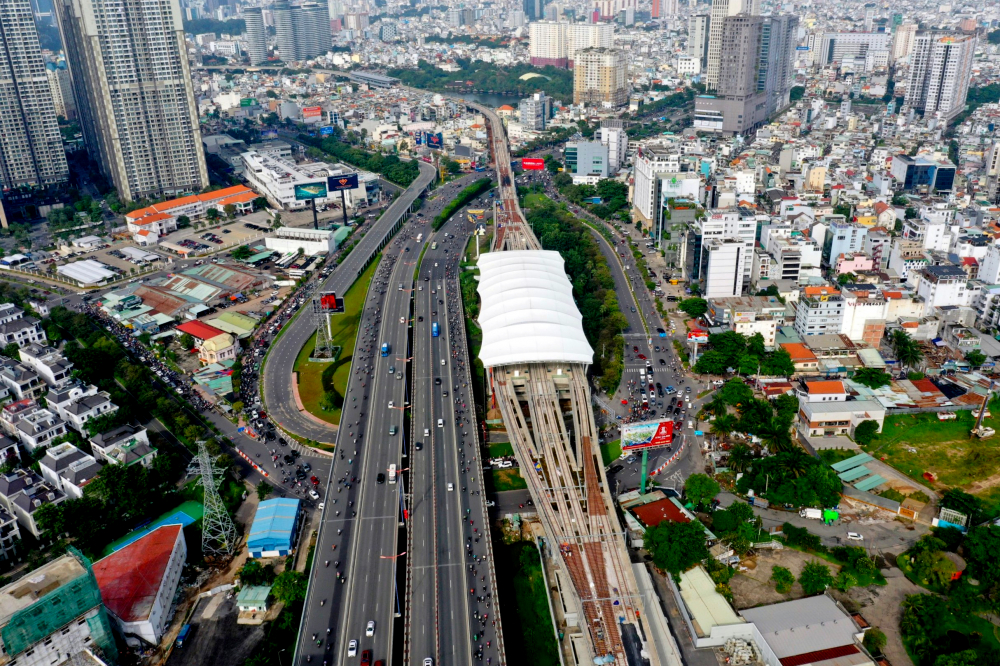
(274,525)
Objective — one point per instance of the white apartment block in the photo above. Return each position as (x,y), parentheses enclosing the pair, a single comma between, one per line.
(837,47)
(616,140)
(940,70)
(903,39)
(68,468)
(48,363)
(820,310)
(556,43)
(16,328)
(39,428)
(31,146)
(943,286)
(729,224)
(650,162)
(726,261)
(135,95)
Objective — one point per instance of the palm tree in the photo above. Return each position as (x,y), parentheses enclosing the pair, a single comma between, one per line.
(717,406)
(795,462)
(775,436)
(740,458)
(723,426)
(908,353)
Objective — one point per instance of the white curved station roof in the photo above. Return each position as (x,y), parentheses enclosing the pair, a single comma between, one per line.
(528,314)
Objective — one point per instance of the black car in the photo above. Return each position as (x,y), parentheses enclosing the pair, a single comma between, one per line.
(662,362)
(419,445)
(437,381)
(615,469)
(380,478)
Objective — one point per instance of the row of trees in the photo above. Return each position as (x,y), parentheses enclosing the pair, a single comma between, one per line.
(391,167)
(613,194)
(482,75)
(735,352)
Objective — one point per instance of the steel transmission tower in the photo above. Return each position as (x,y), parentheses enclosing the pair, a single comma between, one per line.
(218,533)
(321,317)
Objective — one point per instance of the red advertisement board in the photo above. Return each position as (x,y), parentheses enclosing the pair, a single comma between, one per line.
(312,111)
(329,302)
(647,435)
(698,336)
(532,164)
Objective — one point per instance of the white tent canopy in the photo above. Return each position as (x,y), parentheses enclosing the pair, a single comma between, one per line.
(528,313)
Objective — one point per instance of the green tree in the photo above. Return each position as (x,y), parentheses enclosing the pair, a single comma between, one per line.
(263,490)
(289,587)
(723,426)
(975,358)
(875,640)
(254,573)
(866,432)
(187,341)
(212,214)
(694,307)
(242,252)
(783,579)
(700,489)
(183,222)
(740,458)
(845,580)
(910,213)
(907,351)
(815,578)
(676,547)
(963,658)
(230,210)
(872,377)
(11,351)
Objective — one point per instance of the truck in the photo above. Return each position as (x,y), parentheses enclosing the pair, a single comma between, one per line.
(392,474)
(812,514)
(435,330)
(182,635)
(385,349)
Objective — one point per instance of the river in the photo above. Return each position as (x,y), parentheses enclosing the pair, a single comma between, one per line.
(491,100)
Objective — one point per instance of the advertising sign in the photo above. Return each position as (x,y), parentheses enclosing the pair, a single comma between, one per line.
(268,134)
(307,191)
(647,435)
(326,130)
(532,164)
(347,181)
(434,140)
(701,337)
(329,303)
(247,101)
(312,111)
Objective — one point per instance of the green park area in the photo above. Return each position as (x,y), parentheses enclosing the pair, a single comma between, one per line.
(508,479)
(322,386)
(611,451)
(921,443)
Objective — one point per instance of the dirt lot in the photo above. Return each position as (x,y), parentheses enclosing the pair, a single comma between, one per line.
(215,637)
(883,607)
(753,587)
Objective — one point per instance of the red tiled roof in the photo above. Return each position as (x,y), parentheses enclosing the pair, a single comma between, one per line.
(654,513)
(199,330)
(798,351)
(130,578)
(825,387)
(819,655)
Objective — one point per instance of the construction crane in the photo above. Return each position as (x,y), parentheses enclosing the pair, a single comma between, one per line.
(981,431)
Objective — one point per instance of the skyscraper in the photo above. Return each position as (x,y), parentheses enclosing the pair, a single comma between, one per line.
(303,31)
(284,29)
(600,78)
(31,148)
(256,35)
(902,41)
(940,69)
(720,10)
(698,38)
(134,94)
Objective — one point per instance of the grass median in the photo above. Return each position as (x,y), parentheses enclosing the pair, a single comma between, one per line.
(317,380)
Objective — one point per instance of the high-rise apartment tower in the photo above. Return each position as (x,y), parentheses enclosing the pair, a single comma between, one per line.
(940,69)
(134,94)
(256,35)
(31,148)
(720,10)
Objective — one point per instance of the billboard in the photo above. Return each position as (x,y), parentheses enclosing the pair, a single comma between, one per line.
(701,337)
(434,140)
(347,181)
(326,130)
(268,134)
(248,101)
(532,164)
(312,111)
(330,304)
(647,435)
(304,191)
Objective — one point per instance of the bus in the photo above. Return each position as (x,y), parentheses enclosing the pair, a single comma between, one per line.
(435,330)
(385,349)
(392,473)
(185,630)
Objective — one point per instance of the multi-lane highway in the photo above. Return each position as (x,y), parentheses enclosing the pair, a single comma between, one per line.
(277,373)
(451,581)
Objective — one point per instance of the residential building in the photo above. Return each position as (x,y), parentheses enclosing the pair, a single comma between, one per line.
(54,613)
(943,286)
(21,382)
(698,39)
(724,268)
(650,162)
(256,34)
(124,445)
(222,347)
(843,237)
(580,36)
(721,9)
(838,419)
(731,224)
(22,493)
(68,468)
(10,536)
(820,310)
(135,95)
(38,429)
(76,404)
(903,39)
(547,44)
(748,315)
(18,329)
(906,256)
(865,311)
(61,88)
(940,71)
(586,161)
(600,78)
(48,363)
(616,140)
(31,146)
(840,48)
(138,583)
(534,112)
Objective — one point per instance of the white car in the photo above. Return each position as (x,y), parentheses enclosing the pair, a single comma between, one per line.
(402,320)
(352,648)
(440,423)
(427,432)
(391,403)
(370,628)
(428,661)
(313,494)
(451,487)
(442,362)
(854,536)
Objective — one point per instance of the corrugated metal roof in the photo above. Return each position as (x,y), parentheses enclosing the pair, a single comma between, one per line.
(708,608)
(274,524)
(804,625)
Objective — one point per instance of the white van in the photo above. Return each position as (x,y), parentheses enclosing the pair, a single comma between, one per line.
(440,423)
